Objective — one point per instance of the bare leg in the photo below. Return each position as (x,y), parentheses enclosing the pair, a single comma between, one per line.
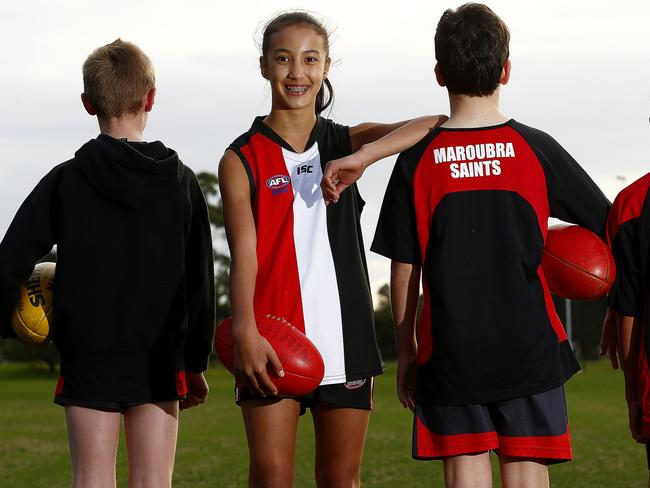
(151,431)
(340,436)
(523,473)
(468,471)
(93,436)
(271,426)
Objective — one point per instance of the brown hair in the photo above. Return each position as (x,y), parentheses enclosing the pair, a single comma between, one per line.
(298,17)
(117,76)
(471,49)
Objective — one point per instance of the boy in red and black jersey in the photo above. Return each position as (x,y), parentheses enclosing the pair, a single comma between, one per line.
(468,206)
(628,234)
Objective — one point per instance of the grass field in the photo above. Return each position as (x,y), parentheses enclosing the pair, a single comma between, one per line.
(212,447)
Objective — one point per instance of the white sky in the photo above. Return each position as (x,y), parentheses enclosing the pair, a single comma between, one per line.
(581,71)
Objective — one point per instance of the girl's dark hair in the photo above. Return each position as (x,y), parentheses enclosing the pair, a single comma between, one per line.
(287,19)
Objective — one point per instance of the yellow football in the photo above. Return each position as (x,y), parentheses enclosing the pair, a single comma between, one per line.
(34,313)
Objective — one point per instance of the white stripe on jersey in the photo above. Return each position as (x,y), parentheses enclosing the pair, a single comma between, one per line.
(318,286)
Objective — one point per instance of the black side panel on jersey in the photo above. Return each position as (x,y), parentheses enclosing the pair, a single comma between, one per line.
(333,140)
(396,233)
(489,321)
(628,293)
(362,358)
(572,194)
(644,242)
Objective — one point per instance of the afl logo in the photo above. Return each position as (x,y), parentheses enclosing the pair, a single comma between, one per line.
(355,384)
(278,184)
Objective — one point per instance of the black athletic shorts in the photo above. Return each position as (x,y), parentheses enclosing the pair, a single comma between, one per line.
(534,426)
(101,395)
(353,394)
(120,407)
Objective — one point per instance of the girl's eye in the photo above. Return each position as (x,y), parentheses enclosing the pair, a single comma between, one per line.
(311,59)
(282,58)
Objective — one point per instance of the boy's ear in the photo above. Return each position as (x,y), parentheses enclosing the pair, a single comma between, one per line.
(149,99)
(439,77)
(505,72)
(87,105)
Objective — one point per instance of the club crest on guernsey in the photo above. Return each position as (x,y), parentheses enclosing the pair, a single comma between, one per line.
(278,184)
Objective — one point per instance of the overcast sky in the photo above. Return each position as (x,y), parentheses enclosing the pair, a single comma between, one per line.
(581,71)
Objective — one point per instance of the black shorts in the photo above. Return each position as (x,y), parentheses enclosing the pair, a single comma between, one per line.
(101,394)
(534,426)
(120,407)
(353,394)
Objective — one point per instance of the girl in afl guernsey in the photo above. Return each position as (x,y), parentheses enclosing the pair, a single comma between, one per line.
(295,257)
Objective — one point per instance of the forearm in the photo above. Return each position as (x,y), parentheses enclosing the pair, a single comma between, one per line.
(628,340)
(404,292)
(400,139)
(243,272)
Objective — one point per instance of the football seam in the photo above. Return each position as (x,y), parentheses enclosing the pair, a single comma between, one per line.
(576,268)
(30,332)
(299,375)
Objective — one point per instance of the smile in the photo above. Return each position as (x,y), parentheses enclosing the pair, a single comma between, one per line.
(296,89)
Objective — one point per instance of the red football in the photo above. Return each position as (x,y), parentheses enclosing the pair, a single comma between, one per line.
(302,363)
(577,264)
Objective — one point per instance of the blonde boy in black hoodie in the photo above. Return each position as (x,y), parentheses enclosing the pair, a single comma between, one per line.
(134,334)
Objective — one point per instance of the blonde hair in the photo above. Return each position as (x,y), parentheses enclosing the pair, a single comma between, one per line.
(117,76)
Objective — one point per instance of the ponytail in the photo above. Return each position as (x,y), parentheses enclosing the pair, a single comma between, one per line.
(321,102)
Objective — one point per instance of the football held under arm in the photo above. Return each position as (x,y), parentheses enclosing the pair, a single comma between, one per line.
(30,236)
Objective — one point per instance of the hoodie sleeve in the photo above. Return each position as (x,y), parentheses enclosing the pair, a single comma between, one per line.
(199,267)
(30,236)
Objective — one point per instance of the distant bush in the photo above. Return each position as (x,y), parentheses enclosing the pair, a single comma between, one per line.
(13,351)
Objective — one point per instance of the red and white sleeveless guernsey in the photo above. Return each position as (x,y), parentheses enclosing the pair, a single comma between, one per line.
(471,207)
(311,263)
(628,233)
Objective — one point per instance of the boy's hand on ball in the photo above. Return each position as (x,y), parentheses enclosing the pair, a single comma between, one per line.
(197,391)
(252,355)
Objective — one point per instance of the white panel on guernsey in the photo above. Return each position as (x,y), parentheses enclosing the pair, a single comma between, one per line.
(320,295)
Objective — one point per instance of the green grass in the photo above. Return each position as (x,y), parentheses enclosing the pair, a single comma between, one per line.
(212,446)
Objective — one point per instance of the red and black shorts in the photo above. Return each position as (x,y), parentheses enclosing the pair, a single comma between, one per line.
(534,427)
(353,394)
(117,395)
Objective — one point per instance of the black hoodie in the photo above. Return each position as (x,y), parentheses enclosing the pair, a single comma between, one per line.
(134,287)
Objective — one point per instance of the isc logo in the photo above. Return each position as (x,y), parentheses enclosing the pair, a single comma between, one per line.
(305,168)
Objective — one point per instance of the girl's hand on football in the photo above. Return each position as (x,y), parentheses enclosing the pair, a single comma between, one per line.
(253,357)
